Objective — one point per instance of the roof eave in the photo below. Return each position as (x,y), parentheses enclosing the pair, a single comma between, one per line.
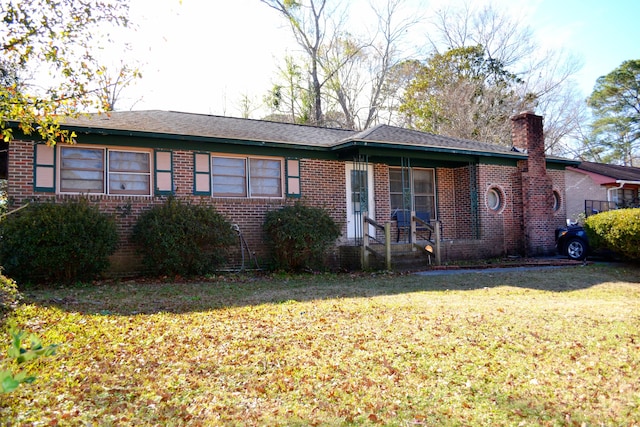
(431,148)
(193,138)
(345,145)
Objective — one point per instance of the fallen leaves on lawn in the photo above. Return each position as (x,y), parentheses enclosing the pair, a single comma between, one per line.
(397,354)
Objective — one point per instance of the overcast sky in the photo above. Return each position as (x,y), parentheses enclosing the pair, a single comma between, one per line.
(203,56)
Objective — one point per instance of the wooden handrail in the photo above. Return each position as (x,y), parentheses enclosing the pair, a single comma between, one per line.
(433,225)
(435,231)
(366,248)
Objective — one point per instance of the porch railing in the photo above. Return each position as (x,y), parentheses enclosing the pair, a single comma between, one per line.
(432,247)
(367,250)
(434,226)
(592,207)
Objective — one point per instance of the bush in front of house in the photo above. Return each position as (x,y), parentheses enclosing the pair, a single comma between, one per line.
(617,230)
(9,297)
(178,238)
(57,242)
(300,236)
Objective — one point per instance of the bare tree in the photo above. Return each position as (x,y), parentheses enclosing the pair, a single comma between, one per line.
(346,84)
(359,86)
(348,72)
(247,105)
(546,75)
(310,25)
(112,81)
(393,90)
(289,98)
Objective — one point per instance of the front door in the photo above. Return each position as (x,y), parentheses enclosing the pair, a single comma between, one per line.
(359,197)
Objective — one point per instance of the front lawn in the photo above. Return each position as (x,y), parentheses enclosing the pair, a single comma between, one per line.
(551,347)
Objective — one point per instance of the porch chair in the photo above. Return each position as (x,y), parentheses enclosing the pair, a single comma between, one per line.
(403,218)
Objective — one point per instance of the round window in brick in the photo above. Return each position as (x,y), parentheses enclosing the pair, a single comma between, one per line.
(557,201)
(495,199)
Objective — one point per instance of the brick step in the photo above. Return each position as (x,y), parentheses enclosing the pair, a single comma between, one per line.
(403,258)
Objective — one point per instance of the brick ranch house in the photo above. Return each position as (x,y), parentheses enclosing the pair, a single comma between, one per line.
(487,200)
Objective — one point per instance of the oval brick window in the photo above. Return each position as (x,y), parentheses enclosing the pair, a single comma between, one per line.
(495,199)
(557,201)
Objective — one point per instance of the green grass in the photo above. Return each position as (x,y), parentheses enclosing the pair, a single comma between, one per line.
(551,347)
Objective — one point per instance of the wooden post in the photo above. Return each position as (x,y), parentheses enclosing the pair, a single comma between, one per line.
(387,244)
(413,238)
(437,233)
(365,242)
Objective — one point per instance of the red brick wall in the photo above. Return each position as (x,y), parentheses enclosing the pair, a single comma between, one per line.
(323,184)
(446,202)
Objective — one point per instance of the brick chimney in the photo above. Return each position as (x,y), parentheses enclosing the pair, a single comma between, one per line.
(537,187)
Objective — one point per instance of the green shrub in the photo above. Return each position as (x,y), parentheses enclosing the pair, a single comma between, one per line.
(9,297)
(182,239)
(618,230)
(59,242)
(300,236)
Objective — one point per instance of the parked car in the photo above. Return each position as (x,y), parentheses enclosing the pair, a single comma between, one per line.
(572,241)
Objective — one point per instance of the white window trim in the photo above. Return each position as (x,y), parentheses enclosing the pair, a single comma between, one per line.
(247,189)
(501,198)
(412,186)
(106,150)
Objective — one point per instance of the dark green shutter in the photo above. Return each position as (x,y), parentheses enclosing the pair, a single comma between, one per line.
(163,161)
(293,184)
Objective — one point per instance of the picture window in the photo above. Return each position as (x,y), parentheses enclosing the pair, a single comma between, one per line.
(105,171)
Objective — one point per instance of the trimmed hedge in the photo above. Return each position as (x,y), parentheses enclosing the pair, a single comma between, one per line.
(57,242)
(179,238)
(300,236)
(617,230)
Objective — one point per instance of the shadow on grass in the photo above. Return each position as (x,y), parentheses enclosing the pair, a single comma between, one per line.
(226,291)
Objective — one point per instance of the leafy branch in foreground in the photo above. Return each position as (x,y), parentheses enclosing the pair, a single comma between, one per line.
(20,353)
(59,39)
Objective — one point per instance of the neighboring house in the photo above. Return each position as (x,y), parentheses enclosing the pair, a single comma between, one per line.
(486,200)
(596,187)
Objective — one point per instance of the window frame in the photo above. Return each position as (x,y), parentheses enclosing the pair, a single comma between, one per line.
(248,193)
(626,196)
(110,173)
(254,177)
(45,168)
(411,178)
(557,201)
(105,171)
(500,198)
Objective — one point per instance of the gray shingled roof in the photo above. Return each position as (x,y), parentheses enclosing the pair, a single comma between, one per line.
(397,135)
(622,173)
(209,126)
(158,122)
